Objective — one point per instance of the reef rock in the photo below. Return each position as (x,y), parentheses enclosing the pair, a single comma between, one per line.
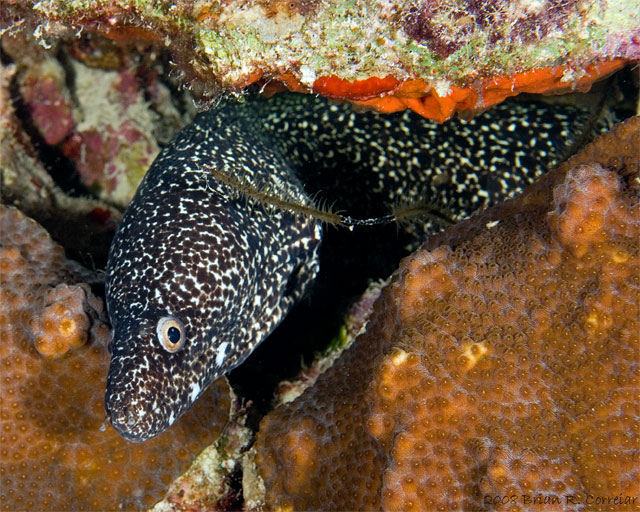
(499,368)
(54,455)
(108,116)
(83,223)
(433,56)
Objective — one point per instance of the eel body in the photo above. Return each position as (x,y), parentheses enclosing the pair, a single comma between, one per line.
(199,274)
(214,270)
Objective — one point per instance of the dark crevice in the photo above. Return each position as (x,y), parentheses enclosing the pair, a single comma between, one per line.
(5,60)
(234,499)
(58,166)
(69,74)
(349,260)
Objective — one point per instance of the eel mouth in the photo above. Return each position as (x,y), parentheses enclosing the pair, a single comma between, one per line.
(135,423)
(133,412)
(124,422)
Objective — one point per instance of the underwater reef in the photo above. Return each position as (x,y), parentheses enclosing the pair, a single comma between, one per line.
(107,116)
(55,453)
(435,57)
(501,360)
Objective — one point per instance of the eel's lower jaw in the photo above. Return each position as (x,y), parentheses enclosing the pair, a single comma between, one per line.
(121,422)
(134,426)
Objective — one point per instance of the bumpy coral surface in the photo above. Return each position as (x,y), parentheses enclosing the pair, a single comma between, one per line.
(500,367)
(67,316)
(433,56)
(53,453)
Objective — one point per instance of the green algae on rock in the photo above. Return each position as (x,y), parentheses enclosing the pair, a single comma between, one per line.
(432,45)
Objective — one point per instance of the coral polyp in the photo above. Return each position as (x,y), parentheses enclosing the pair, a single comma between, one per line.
(500,361)
(55,453)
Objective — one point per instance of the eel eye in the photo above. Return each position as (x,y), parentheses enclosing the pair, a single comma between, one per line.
(170,333)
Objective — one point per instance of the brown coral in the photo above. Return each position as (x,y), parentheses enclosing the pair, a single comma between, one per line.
(499,368)
(53,454)
(66,318)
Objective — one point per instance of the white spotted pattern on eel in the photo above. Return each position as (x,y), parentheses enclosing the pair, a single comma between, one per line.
(226,269)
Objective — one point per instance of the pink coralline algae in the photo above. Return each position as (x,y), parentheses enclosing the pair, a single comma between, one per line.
(107,121)
(50,111)
(112,145)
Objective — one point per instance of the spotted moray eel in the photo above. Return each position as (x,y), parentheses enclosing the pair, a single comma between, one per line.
(198,274)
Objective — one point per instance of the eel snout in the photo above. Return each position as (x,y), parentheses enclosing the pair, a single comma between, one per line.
(139,400)
(137,419)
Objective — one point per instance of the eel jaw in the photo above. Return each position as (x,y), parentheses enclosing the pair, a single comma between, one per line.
(137,420)
(139,401)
